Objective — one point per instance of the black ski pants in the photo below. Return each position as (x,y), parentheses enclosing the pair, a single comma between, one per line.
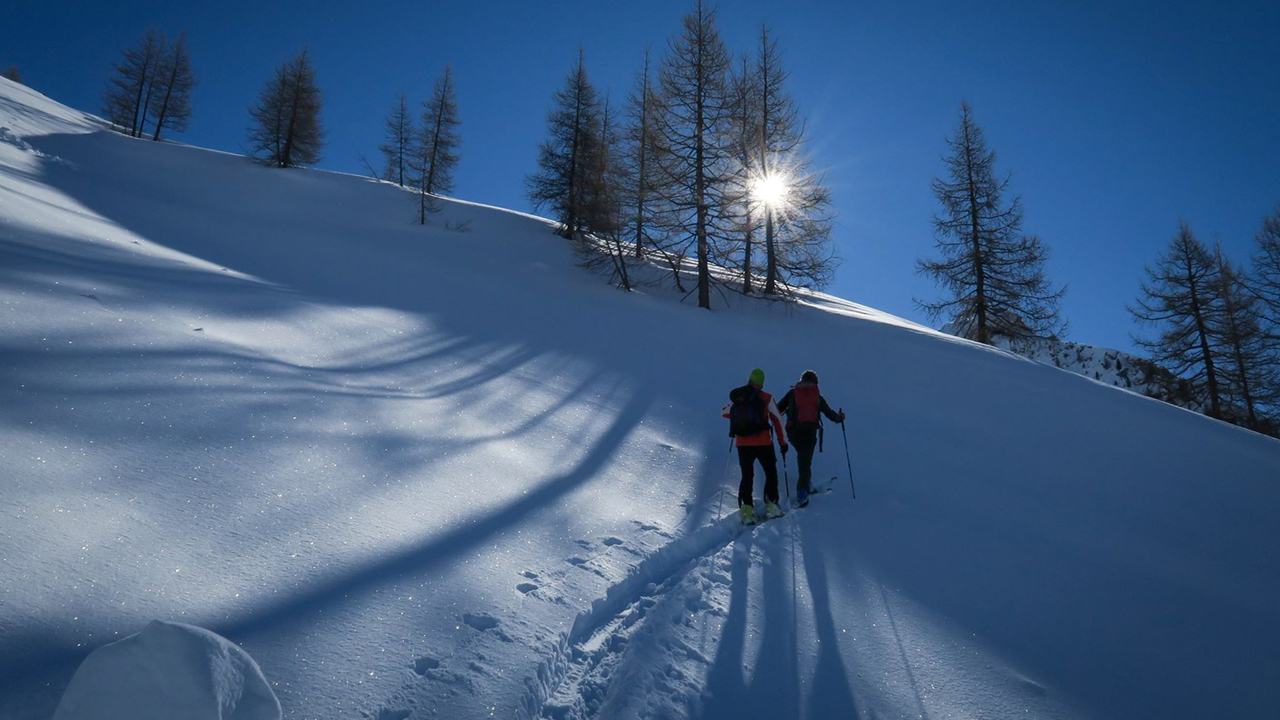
(747,457)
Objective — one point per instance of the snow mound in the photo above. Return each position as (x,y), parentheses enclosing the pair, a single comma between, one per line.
(169,670)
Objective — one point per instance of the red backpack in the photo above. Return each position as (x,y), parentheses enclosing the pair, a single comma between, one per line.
(806,402)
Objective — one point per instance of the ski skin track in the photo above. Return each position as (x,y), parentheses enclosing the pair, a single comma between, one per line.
(666,562)
(657,568)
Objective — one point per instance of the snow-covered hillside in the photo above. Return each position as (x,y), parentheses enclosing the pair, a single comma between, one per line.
(1105,365)
(430,473)
(1108,366)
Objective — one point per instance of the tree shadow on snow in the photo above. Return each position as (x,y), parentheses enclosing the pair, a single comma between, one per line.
(41,658)
(497,335)
(447,548)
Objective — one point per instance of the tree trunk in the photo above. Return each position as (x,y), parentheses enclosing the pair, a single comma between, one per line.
(644,148)
(168,93)
(699,185)
(1202,331)
(286,154)
(137,102)
(770,250)
(979,273)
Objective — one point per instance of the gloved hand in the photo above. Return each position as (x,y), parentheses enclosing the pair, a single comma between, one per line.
(841,417)
(784,450)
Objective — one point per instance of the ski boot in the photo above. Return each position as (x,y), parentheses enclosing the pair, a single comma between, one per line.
(771,511)
(802,497)
(748,514)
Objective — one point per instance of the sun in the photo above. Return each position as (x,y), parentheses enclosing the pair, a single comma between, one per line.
(771,190)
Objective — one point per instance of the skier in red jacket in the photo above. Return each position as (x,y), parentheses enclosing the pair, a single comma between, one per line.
(754,421)
(801,405)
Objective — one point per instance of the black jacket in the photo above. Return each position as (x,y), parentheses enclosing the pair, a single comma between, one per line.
(787,406)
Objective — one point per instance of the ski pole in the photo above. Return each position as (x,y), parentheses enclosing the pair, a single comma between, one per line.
(722,476)
(786,477)
(847,461)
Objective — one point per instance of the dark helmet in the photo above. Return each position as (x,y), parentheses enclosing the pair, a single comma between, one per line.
(809,376)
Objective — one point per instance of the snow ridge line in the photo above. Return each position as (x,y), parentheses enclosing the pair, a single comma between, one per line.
(654,569)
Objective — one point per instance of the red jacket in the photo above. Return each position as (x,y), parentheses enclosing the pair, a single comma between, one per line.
(763,437)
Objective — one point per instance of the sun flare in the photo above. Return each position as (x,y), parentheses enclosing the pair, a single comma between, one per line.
(771,190)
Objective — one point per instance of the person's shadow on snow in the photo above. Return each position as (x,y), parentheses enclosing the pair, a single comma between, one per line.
(725,693)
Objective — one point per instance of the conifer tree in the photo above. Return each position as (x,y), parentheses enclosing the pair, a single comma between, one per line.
(437,144)
(399,140)
(1179,299)
(565,159)
(995,275)
(171,98)
(696,111)
(287,130)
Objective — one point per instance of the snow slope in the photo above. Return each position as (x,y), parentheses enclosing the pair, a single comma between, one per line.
(1105,365)
(420,472)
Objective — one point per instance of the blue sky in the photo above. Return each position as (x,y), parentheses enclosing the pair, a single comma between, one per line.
(1115,119)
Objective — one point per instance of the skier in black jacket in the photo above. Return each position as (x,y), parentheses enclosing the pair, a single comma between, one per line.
(802,405)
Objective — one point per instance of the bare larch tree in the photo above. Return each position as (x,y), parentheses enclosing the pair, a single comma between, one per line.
(743,136)
(696,109)
(1248,363)
(399,139)
(125,101)
(994,274)
(1266,274)
(565,158)
(1178,298)
(171,97)
(799,218)
(602,206)
(437,144)
(287,130)
(640,145)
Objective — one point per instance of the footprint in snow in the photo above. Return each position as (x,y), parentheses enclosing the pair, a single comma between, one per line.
(425,663)
(576,561)
(526,588)
(480,622)
(611,541)
(393,714)
(529,574)
(649,527)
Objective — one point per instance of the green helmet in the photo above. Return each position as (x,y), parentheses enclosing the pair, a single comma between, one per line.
(757,378)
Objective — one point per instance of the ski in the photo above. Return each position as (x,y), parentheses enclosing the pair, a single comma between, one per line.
(816,491)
